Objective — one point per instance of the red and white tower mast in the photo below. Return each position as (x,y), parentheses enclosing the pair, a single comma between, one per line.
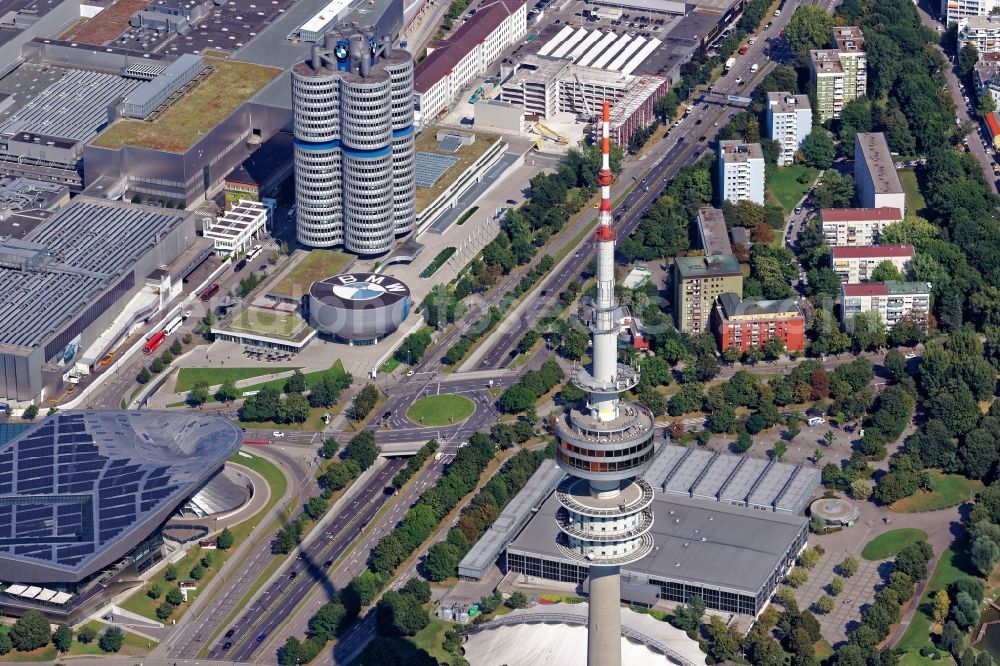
(605,514)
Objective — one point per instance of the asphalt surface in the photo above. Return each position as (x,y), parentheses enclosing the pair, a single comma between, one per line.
(357,561)
(191,634)
(964,103)
(270,610)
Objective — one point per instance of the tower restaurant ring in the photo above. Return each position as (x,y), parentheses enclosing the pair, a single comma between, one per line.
(358,308)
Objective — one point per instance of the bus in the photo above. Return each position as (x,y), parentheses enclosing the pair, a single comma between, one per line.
(153,343)
(173,325)
(252,254)
(210,291)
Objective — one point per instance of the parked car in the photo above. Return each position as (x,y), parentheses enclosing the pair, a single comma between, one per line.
(277,434)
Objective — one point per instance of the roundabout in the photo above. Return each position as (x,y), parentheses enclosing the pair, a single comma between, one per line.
(440,410)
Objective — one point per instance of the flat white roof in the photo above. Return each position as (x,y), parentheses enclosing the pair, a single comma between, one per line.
(597,50)
(31,592)
(550,45)
(641,56)
(325,15)
(612,51)
(583,46)
(46,595)
(626,53)
(569,43)
(16,590)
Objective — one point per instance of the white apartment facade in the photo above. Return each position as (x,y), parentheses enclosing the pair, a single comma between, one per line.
(983,32)
(789,121)
(741,171)
(956,11)
(853,227)
(893,301)
(856,263)
(451,66)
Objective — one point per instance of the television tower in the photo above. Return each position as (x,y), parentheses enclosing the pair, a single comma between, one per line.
(605,516)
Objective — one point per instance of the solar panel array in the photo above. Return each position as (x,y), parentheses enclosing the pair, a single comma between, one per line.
(428,167)
(450,143)
(80,481)
(94,245)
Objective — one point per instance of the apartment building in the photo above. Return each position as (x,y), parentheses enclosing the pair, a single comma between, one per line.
(893,301)
(855,264)
(752,322)
(957,11)
(698,281)
(850,43)
(856,226)
(876,181)
(983,32)
(712,233)
(789,121)
(452,65)
(839,74)
(741,171)
(986,76)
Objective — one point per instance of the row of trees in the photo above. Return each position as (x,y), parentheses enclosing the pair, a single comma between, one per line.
(443,557)
(269,405)
(163,361)
(523,395)
(359,454)
(31,632)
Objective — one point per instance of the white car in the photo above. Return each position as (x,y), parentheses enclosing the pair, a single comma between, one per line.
(410,373)
(753,40)
(911,355)
(186,314)
(277,434)
(815,421)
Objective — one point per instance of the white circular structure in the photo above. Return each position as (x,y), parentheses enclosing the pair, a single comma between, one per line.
(359,308)
(835,511)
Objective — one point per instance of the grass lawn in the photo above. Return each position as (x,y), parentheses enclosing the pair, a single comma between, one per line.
(429,639)
(443,409)
(390,365)
(134,644)
(947,490)
(317,265)
(188,377)
(784,187)
(266,322)
(913,658)
(196,113)
(823,650)
(310,377)
(890,543)
(952,566)
(914,199)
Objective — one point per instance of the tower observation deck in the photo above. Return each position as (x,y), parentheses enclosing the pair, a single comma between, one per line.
(605,517)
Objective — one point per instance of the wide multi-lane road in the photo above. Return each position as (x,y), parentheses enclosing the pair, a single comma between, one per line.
(269,611)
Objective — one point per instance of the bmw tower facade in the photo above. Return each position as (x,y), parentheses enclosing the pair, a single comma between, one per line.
(354,180)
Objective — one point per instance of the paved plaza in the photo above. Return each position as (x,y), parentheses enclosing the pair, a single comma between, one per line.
(859,590)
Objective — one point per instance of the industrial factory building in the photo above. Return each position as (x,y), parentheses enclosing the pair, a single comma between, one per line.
(73,287)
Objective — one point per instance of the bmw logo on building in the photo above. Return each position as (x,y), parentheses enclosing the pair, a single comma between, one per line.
(358,308)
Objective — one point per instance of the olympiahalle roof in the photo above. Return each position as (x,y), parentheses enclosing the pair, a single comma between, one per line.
(81,489)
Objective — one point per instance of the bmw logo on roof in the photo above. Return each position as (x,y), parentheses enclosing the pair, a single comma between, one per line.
(340,51)
(358,306)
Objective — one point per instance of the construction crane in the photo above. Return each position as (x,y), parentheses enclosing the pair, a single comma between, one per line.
(550,133)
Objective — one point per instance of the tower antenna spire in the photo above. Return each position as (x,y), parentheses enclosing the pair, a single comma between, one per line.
(605,516)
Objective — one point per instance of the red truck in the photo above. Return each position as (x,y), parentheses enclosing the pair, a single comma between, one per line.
(153,343)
